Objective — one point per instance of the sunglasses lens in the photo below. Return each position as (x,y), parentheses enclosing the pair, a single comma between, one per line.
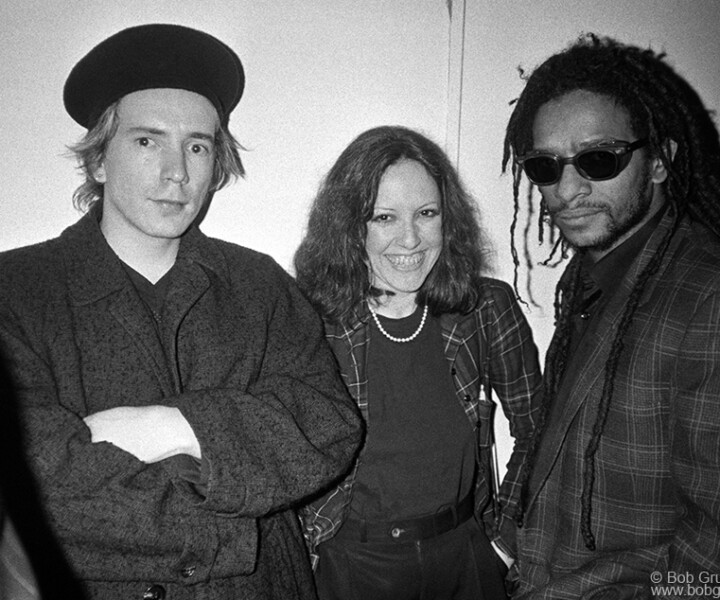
(598,164)
(542,170)
(595,164)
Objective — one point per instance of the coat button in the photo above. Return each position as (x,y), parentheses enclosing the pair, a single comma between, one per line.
(188,572)
(154,592)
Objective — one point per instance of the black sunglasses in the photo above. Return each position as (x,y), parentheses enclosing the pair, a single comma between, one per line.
(596,164)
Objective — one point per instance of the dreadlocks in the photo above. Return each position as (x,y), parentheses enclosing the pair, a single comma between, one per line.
(662,108)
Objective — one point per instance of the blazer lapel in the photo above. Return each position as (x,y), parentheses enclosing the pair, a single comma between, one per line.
(581,384)
(583,380)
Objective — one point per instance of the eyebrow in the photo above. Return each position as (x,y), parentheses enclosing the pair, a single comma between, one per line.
(430,204)
(154,131)
(585,145)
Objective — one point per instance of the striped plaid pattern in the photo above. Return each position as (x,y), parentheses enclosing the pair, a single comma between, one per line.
(656,495)
(497,335)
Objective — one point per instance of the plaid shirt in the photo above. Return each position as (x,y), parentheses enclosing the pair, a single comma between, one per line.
(490,348)
(656,493)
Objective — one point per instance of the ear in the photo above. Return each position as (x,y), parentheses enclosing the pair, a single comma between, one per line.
(99,174)
(658,170)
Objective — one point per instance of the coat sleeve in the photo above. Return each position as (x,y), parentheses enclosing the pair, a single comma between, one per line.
(84,488)
(516,379)
(695,451)
(291,432)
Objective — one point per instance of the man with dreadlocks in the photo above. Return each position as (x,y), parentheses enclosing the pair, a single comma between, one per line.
(622,481)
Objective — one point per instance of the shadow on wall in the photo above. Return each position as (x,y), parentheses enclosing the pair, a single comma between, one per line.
(32,565)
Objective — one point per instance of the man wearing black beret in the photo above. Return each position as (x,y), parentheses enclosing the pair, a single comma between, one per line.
(175,391)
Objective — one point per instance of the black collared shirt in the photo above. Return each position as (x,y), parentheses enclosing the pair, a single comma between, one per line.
(601,280)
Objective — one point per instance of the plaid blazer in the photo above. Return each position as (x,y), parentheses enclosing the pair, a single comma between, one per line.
(490,348)
(656,493)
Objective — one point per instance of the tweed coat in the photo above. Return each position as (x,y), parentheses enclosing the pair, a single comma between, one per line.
(656,493)
(238,350)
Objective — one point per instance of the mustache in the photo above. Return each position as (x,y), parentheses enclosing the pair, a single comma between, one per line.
(578,208)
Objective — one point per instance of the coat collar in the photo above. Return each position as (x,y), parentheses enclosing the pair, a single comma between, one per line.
(98,280)
(95,271)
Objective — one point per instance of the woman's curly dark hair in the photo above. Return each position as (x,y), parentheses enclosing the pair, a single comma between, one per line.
(662,107)
(331,263)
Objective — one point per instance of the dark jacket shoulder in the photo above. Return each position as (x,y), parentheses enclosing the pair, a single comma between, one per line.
(496,291)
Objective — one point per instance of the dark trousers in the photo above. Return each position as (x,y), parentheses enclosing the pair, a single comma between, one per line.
(457,565)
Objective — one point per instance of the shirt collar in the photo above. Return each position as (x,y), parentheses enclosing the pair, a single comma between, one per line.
(611,268)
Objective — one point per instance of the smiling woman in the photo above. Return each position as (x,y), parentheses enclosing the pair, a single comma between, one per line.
(393,261)
(404,237)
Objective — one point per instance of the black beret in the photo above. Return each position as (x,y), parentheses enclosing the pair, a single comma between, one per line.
(153,56)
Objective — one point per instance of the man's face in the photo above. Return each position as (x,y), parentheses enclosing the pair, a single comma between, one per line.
(597,215)
(158,167)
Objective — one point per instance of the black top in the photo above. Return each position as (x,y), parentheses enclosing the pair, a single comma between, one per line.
(419,453)
(601,279)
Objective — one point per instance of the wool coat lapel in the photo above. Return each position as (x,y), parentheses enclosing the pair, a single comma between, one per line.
(98,284)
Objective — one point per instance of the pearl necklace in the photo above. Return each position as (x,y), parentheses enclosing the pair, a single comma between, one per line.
(392,338)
